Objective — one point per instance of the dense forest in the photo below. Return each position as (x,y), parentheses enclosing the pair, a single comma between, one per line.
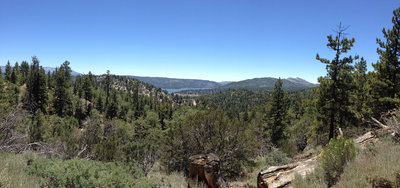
(108,130)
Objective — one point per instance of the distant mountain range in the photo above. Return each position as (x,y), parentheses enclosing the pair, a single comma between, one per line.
(176,83)
(269,84)
(193,84)
(46,69)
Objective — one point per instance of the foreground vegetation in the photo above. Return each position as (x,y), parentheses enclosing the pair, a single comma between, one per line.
(376,165)
(32,170)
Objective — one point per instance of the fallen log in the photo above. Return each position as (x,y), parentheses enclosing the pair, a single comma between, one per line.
(394,128)
(283,176)
(381,125)
(366,138)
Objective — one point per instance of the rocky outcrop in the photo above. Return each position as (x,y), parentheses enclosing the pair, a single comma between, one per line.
(282,176)
(206,169)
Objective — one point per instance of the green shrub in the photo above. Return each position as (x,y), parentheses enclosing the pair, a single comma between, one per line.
(334,157)
(277,158)
(82,173)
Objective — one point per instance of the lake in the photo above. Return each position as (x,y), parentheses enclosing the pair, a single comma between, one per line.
(183,89)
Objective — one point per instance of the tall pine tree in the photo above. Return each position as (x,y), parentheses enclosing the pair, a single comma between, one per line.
(107,87)
(112,108)
(8,71)
(62,96)
(24,70)
(361,95)
(333,102)
(386,77)
(276,116)
(36,88)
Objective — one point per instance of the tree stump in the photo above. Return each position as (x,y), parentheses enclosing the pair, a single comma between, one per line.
(206,169)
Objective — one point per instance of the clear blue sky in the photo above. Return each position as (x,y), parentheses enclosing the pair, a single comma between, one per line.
(220,40)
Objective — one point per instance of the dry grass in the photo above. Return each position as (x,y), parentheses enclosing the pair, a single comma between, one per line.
(374,165)
(13,171)
(158,178)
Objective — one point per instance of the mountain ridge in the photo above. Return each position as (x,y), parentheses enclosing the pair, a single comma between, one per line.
(268,83)
(263,83)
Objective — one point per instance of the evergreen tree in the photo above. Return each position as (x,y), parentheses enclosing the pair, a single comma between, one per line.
(135,99)
(62,97)
(276,116)
(386,77)
(361,96)
(108,81)
(87,88)
(1,86)
(8,71)
(36,88)
(24,70)
(13,78)
(112,108)
(15,74)
(99,103)
(13,94)
(49,80)
(333,101)
(36,128)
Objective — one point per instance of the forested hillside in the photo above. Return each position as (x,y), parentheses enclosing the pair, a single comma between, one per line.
(175,83)
(116,131)
(268,84)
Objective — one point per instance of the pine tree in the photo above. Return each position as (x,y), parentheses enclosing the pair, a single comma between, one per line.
(276,116)
(62,97)
(99,103)
(16,68)
(49,80)
(8,71)
(36,128)
(107,88)
(36,88)
(361,95)
(13,78)
(333,102)
(112,108)
(2,95)
(87,88)
(13,94)
(24,70)
(386,77)
(15,74)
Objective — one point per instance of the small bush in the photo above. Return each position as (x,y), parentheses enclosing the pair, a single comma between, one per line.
(334,157)
(381,183)
(277,158)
